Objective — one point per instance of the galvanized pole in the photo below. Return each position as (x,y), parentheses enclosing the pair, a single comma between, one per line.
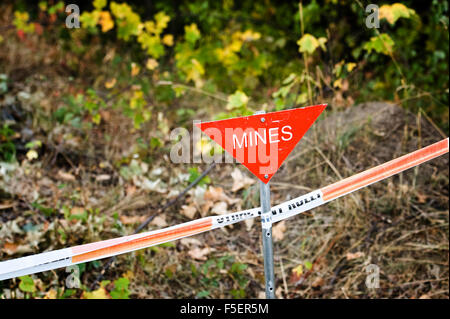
(266,223)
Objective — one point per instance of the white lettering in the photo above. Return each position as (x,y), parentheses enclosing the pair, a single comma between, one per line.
(243,142)
(285,132)
(273,135)
(260,137)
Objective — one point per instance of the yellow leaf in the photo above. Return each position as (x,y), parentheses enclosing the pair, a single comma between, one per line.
(350,66)
(105,21)
(337,83)
(150,26)
(168,40)
(385,12)
(129,274)
(23,16)
(100,293)
(110,84)
(161,20)
(249,35)
(298,271)
(51,294)
(235,46)
(151,64)
(394,12)
(134,69)
(32,154)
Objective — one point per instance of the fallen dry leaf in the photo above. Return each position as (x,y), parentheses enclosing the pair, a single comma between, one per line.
(190,242)
(318,282)
(204,209)
(278,230)
(240,180)
(217,194)
(249,223)
(188,211)
(76,210)
(214,193)
(159,221)
(6,205)
(279,292)
(219,208)
(102,177)
(131,220)
(130,190)
(421,198)
(66,176)
(351,256)
(200,254)
(9,248)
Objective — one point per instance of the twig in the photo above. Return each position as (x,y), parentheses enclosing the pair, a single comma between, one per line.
(305,54)
(283,275)
(432,123)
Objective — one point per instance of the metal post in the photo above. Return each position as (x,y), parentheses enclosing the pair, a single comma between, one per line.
(266,222)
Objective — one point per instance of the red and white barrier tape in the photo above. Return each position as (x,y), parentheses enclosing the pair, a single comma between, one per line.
(107,248)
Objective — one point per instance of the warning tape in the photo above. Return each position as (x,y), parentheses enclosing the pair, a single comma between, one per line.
(107,248)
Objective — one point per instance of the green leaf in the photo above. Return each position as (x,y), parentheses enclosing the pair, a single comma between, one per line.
(120,290)
(89,19)
(68,293)
(290,78)
(192,33)
(161,21)
(203,294)
(194,174)
(309,43)
(27,284)
(308,265)
(238,268)
(99,4)
(380,44)
(155,143)
(302,98)
(33,144)
(236,100)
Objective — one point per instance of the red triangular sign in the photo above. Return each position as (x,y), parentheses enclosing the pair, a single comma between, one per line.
(262,142)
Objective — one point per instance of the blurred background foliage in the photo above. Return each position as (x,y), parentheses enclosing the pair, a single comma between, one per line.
(274,54)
